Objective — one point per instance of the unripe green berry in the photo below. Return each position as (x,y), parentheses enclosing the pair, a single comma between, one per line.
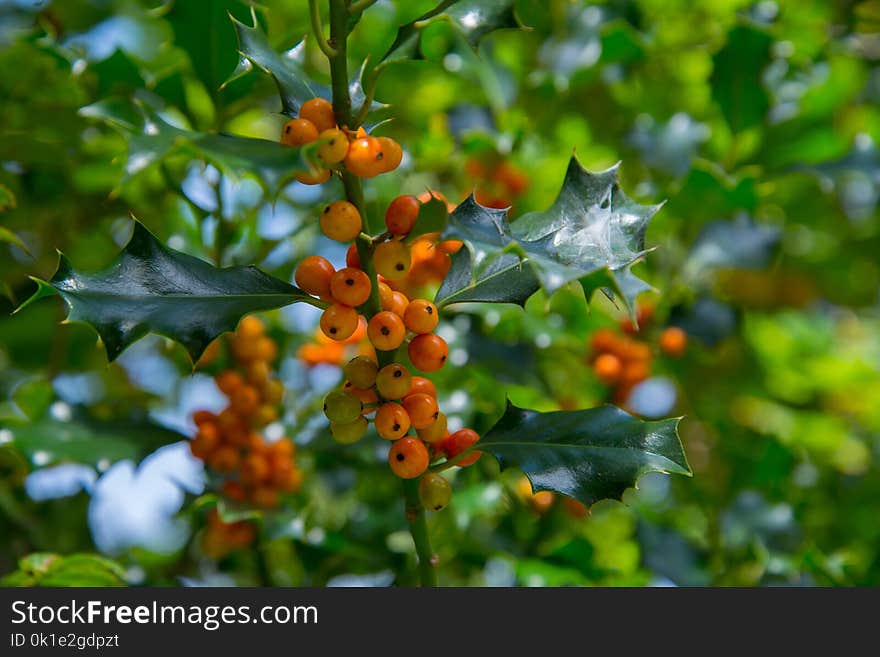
(342,407)
(434,491)
(349,433)
(361,371)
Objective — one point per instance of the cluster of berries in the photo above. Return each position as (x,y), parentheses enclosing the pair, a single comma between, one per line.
(230,442)
(430,256)
(498,182)
(623,361)
(400,401)
(363,155)
(221,538)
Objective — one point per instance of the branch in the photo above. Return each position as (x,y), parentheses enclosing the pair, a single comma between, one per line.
(318,30)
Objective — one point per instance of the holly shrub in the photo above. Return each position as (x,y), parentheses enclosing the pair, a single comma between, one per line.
(424,292)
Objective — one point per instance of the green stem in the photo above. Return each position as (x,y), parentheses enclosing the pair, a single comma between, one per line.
(418,527)
(360,5)
(318,29)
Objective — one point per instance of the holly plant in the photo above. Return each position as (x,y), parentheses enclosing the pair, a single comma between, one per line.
(336,136)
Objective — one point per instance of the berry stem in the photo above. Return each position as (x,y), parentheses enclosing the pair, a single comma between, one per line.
(354,192)
(418,527)
(455,460)
(318,29)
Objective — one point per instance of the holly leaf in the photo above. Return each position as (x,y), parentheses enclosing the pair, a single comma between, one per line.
(589,455)
(737,244)
(506,280)
(51,442)
(736,81)
(593,233)
(287,69)
(151,288)
(151,138)
(432,218)
(474,19)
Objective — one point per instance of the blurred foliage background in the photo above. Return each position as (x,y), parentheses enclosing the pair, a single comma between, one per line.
(755,121)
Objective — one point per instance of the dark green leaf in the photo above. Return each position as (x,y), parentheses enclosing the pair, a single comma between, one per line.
(151,138)
(736,77)
(203,30)
(151,288)
(739,244)
(473,18)
(589,455)
(506,280)
(433,216)
(293,82)
(591,227)
(51,442)
(33,397)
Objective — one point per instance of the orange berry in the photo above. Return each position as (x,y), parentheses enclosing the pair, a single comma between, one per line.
(266,414)
(401,215)
(224,459)
(428,352)
(203,444)
(436,431)
(399,303)
(341,221)
(228,381)
(313,176)
(339,321)
(258,371)
(256,443)
(203,417)
(408,458)
(421,316)
(255,469)
(313,276)
(459,441)
(265,497)
(602,340)
(297,132)
(273,391)
(245,401)
(635,372)
(607,368)
(234,491)
(334,146)
(422,410)
(350,286)
(360,332)
(288,479)
(364,157)
(392,259)
(392,154)
(393,381)
(266,350)
(320,112)
(449,247)
(673,341)
(421,384)
(352,259)
(250,328)
(386,331)
(392,421)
